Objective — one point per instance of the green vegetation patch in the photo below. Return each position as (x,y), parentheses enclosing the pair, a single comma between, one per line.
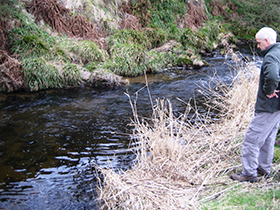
(203,39)
(157,61)
(40,75)
(128,59)
(240,198)
(245,18)
(163,12)
(276,158)
(70,75)
(128,53)
(29,41)
(156,36)
(9,8)
(88,52)
(128,36)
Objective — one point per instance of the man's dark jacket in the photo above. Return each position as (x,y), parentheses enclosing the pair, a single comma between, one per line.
(269,80)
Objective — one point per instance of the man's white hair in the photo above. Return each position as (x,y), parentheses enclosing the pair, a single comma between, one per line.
(267,33)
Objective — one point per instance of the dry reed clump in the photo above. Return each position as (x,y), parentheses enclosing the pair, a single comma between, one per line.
(182,162)
(234,102)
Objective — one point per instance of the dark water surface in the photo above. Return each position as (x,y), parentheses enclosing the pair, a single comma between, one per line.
(48,139)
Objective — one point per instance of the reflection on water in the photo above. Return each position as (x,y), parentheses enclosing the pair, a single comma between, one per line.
(48,139)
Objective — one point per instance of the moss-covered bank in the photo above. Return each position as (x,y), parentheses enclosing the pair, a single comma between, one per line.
(59,43)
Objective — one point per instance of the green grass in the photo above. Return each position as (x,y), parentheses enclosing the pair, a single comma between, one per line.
(9,8)
(129,36)
(71,75)
(277,155)
(156,36)
(39,74)
(29,40)
(88,52)
(250,198)
(156,61)
(129,59)
(203,39)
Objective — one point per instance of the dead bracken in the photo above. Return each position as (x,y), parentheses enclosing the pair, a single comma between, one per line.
(60,19)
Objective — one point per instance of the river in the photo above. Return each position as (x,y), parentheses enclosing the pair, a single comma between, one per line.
(48,139)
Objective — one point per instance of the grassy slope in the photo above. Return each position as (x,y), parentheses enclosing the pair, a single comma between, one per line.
(127,52)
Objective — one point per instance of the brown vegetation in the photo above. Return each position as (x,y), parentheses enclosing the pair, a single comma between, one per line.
(182,161)
(11,78)
(3,35)
(134,15)
(233,7)
(131,22)
(217,9)
(51,13)
(60,19)
(195,16)
(80,27)
(141,8)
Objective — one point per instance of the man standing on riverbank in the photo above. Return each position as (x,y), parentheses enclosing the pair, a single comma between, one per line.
(259,140)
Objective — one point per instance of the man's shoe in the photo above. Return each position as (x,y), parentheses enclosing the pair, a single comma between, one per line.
(242,178)
(263,173)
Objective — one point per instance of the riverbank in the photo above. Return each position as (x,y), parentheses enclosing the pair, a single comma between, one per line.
(50,44)
(185,163)
(79,48)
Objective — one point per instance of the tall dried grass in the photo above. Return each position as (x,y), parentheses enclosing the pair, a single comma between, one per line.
(183,161)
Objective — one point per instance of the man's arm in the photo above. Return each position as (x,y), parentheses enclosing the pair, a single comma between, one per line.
(271,77)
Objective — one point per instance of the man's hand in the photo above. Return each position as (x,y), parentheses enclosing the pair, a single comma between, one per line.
(273,94)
